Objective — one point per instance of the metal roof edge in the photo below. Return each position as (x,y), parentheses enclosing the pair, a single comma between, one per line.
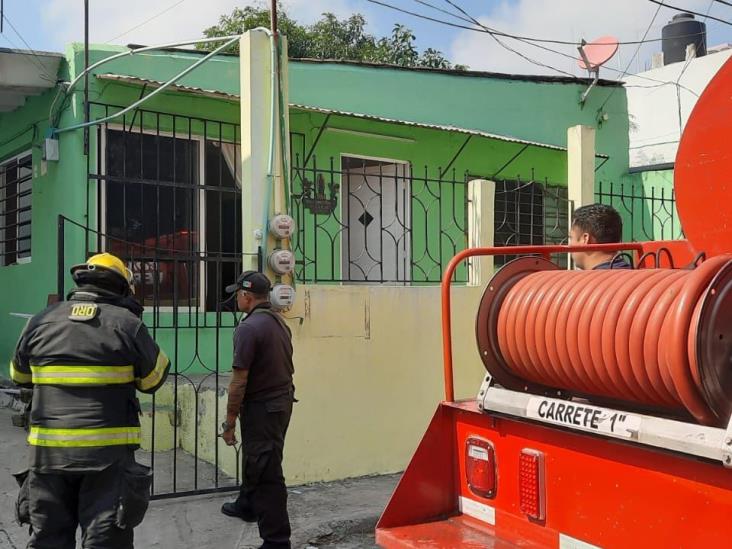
(33,52)
(467,73)
(452,72)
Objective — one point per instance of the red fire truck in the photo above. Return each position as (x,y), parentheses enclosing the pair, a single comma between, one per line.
(604,418)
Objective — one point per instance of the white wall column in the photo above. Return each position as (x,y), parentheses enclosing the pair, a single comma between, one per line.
(481,226)
(581,165)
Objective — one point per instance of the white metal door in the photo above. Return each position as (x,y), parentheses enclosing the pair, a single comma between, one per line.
(377,238)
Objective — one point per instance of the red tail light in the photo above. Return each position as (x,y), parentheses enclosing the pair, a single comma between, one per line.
(532,492)
(480,467)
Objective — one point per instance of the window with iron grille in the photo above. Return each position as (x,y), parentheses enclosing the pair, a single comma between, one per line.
(530,213)
(171,206)
(16,187)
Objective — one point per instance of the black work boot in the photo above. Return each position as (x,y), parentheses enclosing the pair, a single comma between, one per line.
(276,545)
(233,509)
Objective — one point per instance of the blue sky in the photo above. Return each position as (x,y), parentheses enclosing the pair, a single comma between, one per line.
(50,24)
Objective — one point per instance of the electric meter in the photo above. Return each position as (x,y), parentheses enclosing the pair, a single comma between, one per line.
(281,226)
(282,261)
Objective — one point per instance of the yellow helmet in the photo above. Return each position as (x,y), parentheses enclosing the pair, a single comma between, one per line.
(106,262)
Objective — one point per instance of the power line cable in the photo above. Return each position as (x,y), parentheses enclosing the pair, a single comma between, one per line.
(37,59)
(492,34)
(684,10)
(688,62)
(146,21)
(681,74)
(530,41)
(722,2)
(623,73)
(501,33)
(637,50)
(446,12)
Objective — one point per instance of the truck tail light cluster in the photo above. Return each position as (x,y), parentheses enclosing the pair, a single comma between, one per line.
(480,467)
(532,490)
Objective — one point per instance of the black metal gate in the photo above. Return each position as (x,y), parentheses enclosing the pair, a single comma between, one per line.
(165,198)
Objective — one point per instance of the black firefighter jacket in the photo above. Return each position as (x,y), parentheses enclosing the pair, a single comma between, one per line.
(85,358)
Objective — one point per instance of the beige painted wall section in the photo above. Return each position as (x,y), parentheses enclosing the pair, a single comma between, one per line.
(368,365)
(366,399)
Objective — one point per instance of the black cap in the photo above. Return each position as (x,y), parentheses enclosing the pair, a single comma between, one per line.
(251,281)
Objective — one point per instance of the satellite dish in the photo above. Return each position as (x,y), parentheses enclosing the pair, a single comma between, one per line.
(596,53)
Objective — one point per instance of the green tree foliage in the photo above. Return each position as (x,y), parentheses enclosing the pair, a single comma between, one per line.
(333,38)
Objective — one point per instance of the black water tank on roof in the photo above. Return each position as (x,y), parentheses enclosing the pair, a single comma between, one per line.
(681,31)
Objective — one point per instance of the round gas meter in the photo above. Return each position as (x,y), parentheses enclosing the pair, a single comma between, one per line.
(282,296)
(281,226)
(282,261)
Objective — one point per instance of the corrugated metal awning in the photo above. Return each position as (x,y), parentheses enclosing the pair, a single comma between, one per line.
(137,81)
(442,127)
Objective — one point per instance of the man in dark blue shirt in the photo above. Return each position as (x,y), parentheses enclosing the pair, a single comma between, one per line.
(597,224)
(261,394)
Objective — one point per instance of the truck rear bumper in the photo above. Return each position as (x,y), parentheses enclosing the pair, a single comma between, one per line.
(459,531)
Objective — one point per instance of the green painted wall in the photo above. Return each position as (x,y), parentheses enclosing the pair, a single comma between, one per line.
(57,189)
(438,206)
(536,111)
(529,110)
(646,202)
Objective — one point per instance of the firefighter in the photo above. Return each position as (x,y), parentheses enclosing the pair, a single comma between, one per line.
(261,393)
(597,224)
(84,359)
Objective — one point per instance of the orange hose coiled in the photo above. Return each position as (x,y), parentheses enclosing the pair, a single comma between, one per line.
(621,335)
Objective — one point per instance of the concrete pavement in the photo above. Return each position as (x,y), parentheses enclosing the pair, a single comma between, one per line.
(337,514)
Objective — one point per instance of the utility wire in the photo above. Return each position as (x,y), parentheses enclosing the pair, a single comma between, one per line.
(500,33)
(722,2)
(684,10)
(688,62)
(492,34)
(146,21)
(563,54)
(37,59)
(531,40)
(446,12)
(574,58)
(681,74)
(152,94)
(630,61)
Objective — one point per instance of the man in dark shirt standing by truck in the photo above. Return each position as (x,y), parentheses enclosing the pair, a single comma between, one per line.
(261,393)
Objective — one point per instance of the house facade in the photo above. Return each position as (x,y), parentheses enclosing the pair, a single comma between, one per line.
(392,171)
